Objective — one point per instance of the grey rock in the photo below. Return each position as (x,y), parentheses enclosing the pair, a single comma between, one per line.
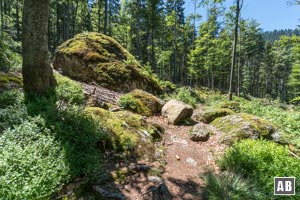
(199,132)
(155,179)
(176,111)
(191,161)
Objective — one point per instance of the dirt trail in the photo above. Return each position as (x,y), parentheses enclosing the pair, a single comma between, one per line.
(182,163)
(185,159)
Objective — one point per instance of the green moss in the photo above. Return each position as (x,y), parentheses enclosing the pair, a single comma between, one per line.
(9,81)
(97,57)
(232,105)
(6,78)
(212,114)
(125,129)
(141,102)
(127,101)
(241,126)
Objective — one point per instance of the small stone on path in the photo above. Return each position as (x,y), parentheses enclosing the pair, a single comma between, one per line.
(191,161)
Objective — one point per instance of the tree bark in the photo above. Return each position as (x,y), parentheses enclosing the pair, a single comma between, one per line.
(37,72)
(236,25)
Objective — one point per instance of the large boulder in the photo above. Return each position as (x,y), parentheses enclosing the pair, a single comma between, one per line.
(97,58)
(212,114)
(141,102)
(241,126)
(128,131)
(176,111)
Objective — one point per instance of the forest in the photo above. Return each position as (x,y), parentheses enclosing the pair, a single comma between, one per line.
(132,99)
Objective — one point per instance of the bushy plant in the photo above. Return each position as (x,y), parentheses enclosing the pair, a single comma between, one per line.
(11,97)
(262,161)
(10,59)
(187,95)
(128,102)
(68,90)
(41,146)
(228,186)
(286,121)
(32,162)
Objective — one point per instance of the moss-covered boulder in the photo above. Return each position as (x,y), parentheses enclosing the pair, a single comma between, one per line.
(9,81)
(94,57)
(212,114)
(232,105)
(129,132)
(141,102)
(241,126)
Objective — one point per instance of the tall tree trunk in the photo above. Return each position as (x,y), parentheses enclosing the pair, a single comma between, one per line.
(17,21)
(105,16)
(1,16)
(37,72)
(99,16)
(236,25)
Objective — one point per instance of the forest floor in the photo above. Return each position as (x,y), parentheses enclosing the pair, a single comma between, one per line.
(184,161)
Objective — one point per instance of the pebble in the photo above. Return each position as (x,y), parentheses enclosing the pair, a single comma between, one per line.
(191,161)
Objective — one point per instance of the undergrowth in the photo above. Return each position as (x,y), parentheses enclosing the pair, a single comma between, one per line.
(261,161)
(46,141)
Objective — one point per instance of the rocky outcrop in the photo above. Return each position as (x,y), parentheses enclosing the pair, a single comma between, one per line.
(141,102)
(97,58)
(212,114)
(200,132)
(241,126)
(176,111)
(129,132)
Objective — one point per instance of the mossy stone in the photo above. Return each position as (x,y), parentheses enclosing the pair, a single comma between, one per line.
(141,102)
(95,57)
(212,114)
(241,126)
(129,131)
(232,105)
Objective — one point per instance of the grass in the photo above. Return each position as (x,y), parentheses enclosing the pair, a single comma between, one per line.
(228,186)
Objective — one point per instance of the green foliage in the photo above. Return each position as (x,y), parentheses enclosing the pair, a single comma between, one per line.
(44,144)
(127,101)
(227,186)
(187,95)
(262,161)
(10,59)
(285,120)
(295,100)
(68,90)
(32,162)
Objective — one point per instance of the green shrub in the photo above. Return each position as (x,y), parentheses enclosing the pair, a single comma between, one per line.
(228,186)
(262,161)
(68,90)
(42,146)
(187,95)
(128,102)
(11,97)
(32,162)
(287,121)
